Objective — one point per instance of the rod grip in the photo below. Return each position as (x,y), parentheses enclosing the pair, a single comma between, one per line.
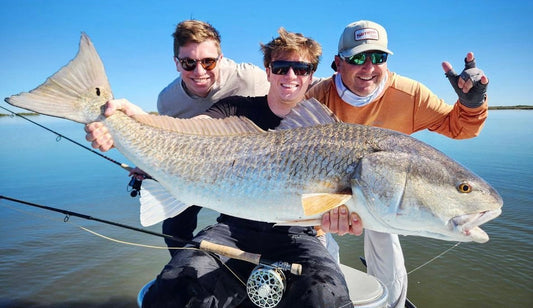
(230,252)
(236,253)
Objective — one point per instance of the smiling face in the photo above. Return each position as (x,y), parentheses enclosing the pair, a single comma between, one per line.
(286,90)
(361,79)
(199,81)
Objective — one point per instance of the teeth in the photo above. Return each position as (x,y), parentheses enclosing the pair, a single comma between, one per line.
(289,85)
(200,79)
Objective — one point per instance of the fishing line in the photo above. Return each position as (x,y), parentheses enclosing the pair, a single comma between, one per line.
(434,258)
(159,247)
(408,303)
(59,136)
(425,263)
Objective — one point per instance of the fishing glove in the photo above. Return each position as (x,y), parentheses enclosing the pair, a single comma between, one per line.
(477,94)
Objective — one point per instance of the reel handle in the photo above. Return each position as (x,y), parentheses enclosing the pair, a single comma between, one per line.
(296,269)
(236,253)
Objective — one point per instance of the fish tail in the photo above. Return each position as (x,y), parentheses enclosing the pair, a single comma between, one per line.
(76,92)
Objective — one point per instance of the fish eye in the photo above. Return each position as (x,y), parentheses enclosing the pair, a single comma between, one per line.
(464,187)
(97,91)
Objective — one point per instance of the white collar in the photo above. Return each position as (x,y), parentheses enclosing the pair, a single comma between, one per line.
(354,99)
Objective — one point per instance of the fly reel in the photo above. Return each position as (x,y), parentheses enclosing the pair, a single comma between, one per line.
(265,286)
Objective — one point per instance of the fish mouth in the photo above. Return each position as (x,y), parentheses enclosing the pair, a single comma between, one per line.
(468,224)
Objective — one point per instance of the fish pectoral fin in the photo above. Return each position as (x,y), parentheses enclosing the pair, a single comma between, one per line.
(157,204)
(302,223)
(322,202)
(308,113)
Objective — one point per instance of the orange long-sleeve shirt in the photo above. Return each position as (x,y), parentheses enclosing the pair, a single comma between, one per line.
(407,106)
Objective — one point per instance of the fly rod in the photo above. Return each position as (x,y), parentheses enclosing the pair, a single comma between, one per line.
(227,251)
(124,166)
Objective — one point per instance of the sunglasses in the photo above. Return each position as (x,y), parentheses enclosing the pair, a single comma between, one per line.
(189,64)
(360,58)
(299,68)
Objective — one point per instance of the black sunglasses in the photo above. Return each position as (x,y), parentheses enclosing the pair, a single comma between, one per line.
(360,58)
(189,64)
(299,68)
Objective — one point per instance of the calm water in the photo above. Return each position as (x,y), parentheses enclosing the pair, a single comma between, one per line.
(45,261)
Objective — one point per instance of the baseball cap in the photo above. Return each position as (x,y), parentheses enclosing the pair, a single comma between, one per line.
(363,35)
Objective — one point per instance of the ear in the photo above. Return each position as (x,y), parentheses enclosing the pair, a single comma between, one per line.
(177,62)
(268,72)
(338,62)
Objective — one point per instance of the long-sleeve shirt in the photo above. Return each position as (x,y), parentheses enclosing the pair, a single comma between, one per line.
(407,106)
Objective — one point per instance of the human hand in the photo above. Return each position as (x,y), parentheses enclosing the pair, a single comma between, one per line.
(340,221)
(98,134)
(470,85)
(139,174)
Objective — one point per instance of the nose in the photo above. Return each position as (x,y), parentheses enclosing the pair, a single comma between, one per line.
(199,68)
(291,73)
(368,63)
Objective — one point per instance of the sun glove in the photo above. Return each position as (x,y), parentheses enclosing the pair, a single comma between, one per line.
(477,94)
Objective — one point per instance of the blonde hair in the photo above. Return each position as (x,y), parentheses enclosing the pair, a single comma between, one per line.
(291,42)
(194,31)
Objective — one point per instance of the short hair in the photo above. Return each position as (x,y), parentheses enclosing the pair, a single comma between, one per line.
(194,31)
(291,42)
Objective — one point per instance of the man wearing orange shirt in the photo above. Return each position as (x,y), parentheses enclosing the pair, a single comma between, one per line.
(364,91)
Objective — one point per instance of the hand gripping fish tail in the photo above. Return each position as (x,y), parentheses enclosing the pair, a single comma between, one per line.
(288,176)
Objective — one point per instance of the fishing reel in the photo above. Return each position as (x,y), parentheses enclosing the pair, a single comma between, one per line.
(266,285)
(134,186)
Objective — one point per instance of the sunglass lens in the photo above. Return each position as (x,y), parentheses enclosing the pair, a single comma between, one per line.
(357,59)
(302,69)
(280,67)
(379,57)
(209,63)
(188,64)
(299,68)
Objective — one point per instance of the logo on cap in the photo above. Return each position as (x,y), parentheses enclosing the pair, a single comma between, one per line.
(366,34)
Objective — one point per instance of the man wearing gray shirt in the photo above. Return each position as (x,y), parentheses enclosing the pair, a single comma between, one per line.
(205,77)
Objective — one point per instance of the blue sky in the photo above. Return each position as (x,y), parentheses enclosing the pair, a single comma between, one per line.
(134,40)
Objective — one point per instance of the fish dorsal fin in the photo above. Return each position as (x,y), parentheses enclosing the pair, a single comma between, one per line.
(201,125)
(322,202)
(309,112)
